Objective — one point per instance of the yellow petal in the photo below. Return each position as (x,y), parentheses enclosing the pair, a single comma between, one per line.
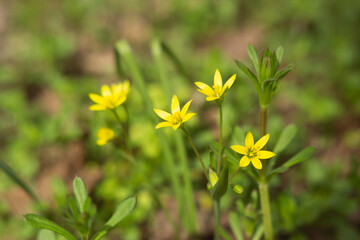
(265,154)
(213,177)
(163,124)
(105,91)
(120,101)
(239,149)
(175,105)
(97,107)
(185,108)
(211,98)
(176,126)
(201,85)
(244,161)
(208,91)
(97,99)
(188,116)
(249,140)
(164,115)
(217,78)
(256,162)
(101,142)
(262,142)
(230,82)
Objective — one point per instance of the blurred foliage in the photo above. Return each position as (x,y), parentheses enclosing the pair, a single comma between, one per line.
(53,53)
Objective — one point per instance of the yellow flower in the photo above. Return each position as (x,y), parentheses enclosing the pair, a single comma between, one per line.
(177,118)
(252,151)
(218,91)
(111,97)
(104,135)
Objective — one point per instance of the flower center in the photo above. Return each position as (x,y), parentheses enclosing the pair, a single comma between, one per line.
(251,153)
(177,118)
(217,91)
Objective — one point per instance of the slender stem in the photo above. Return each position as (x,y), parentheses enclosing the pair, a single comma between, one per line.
(266,211)
(217,219)
(234,174)
(220,140)
(122,126)
(263,187)
(196,152)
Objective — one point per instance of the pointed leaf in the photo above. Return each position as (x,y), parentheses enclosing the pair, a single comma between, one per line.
(80,193)
(251,50)
(46,235)
(250,74)
(285,138)
(16,179)
(43,223)
(283,72)
(301,156)
(221,186)
(122,211)
(279,53)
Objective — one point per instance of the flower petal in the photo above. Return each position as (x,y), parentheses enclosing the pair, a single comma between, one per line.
(262,142)
(101,142)
(256,162)
(217,78)
(211,98)
(230,82)
(249,140)
(239,149)
(120,101)
(163,124)
(265,154)
(201,85)
(175,105)
(175,127)
(97,107)
(105,91)
(164,115)
(185,108)
(188,116)
(244,161)
(97,99)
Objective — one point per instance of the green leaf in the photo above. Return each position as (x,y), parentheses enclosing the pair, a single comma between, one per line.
(43,223)
(46,235)
(251,50)
(258,233)
(221,186)
(73,209)
(16,179)
(285,138)
(251,75)
(279,53)
(223,233)
(123,210)
(283,72)
(235,225)
(80,193)
(301,156)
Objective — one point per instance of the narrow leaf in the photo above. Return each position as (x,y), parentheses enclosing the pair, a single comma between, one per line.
(250,74)
(46,235)
(235,225)
(301,156)
(223,233)
(283,72)
(258,233)
(221,186)
(43,223)
(122,211)
(285,138)
(279,53)
(80,193)
(251,50)
(16,179)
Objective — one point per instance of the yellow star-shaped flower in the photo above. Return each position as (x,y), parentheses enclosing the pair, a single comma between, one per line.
(177,118)
(218,91)
(104,135)
(252,151)
(111,97)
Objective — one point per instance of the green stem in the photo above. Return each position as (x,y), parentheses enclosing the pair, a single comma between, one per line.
(263,186)
(220,140)
(217,219)
(266,211)
(234,174)
(122,126)
(196,152)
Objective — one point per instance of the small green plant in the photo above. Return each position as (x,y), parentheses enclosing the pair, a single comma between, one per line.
(81,214)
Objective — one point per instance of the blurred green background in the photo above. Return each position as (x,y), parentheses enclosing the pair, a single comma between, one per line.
(53,53)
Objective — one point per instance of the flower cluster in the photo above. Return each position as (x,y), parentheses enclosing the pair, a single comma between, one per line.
(104,135)
(111,96)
